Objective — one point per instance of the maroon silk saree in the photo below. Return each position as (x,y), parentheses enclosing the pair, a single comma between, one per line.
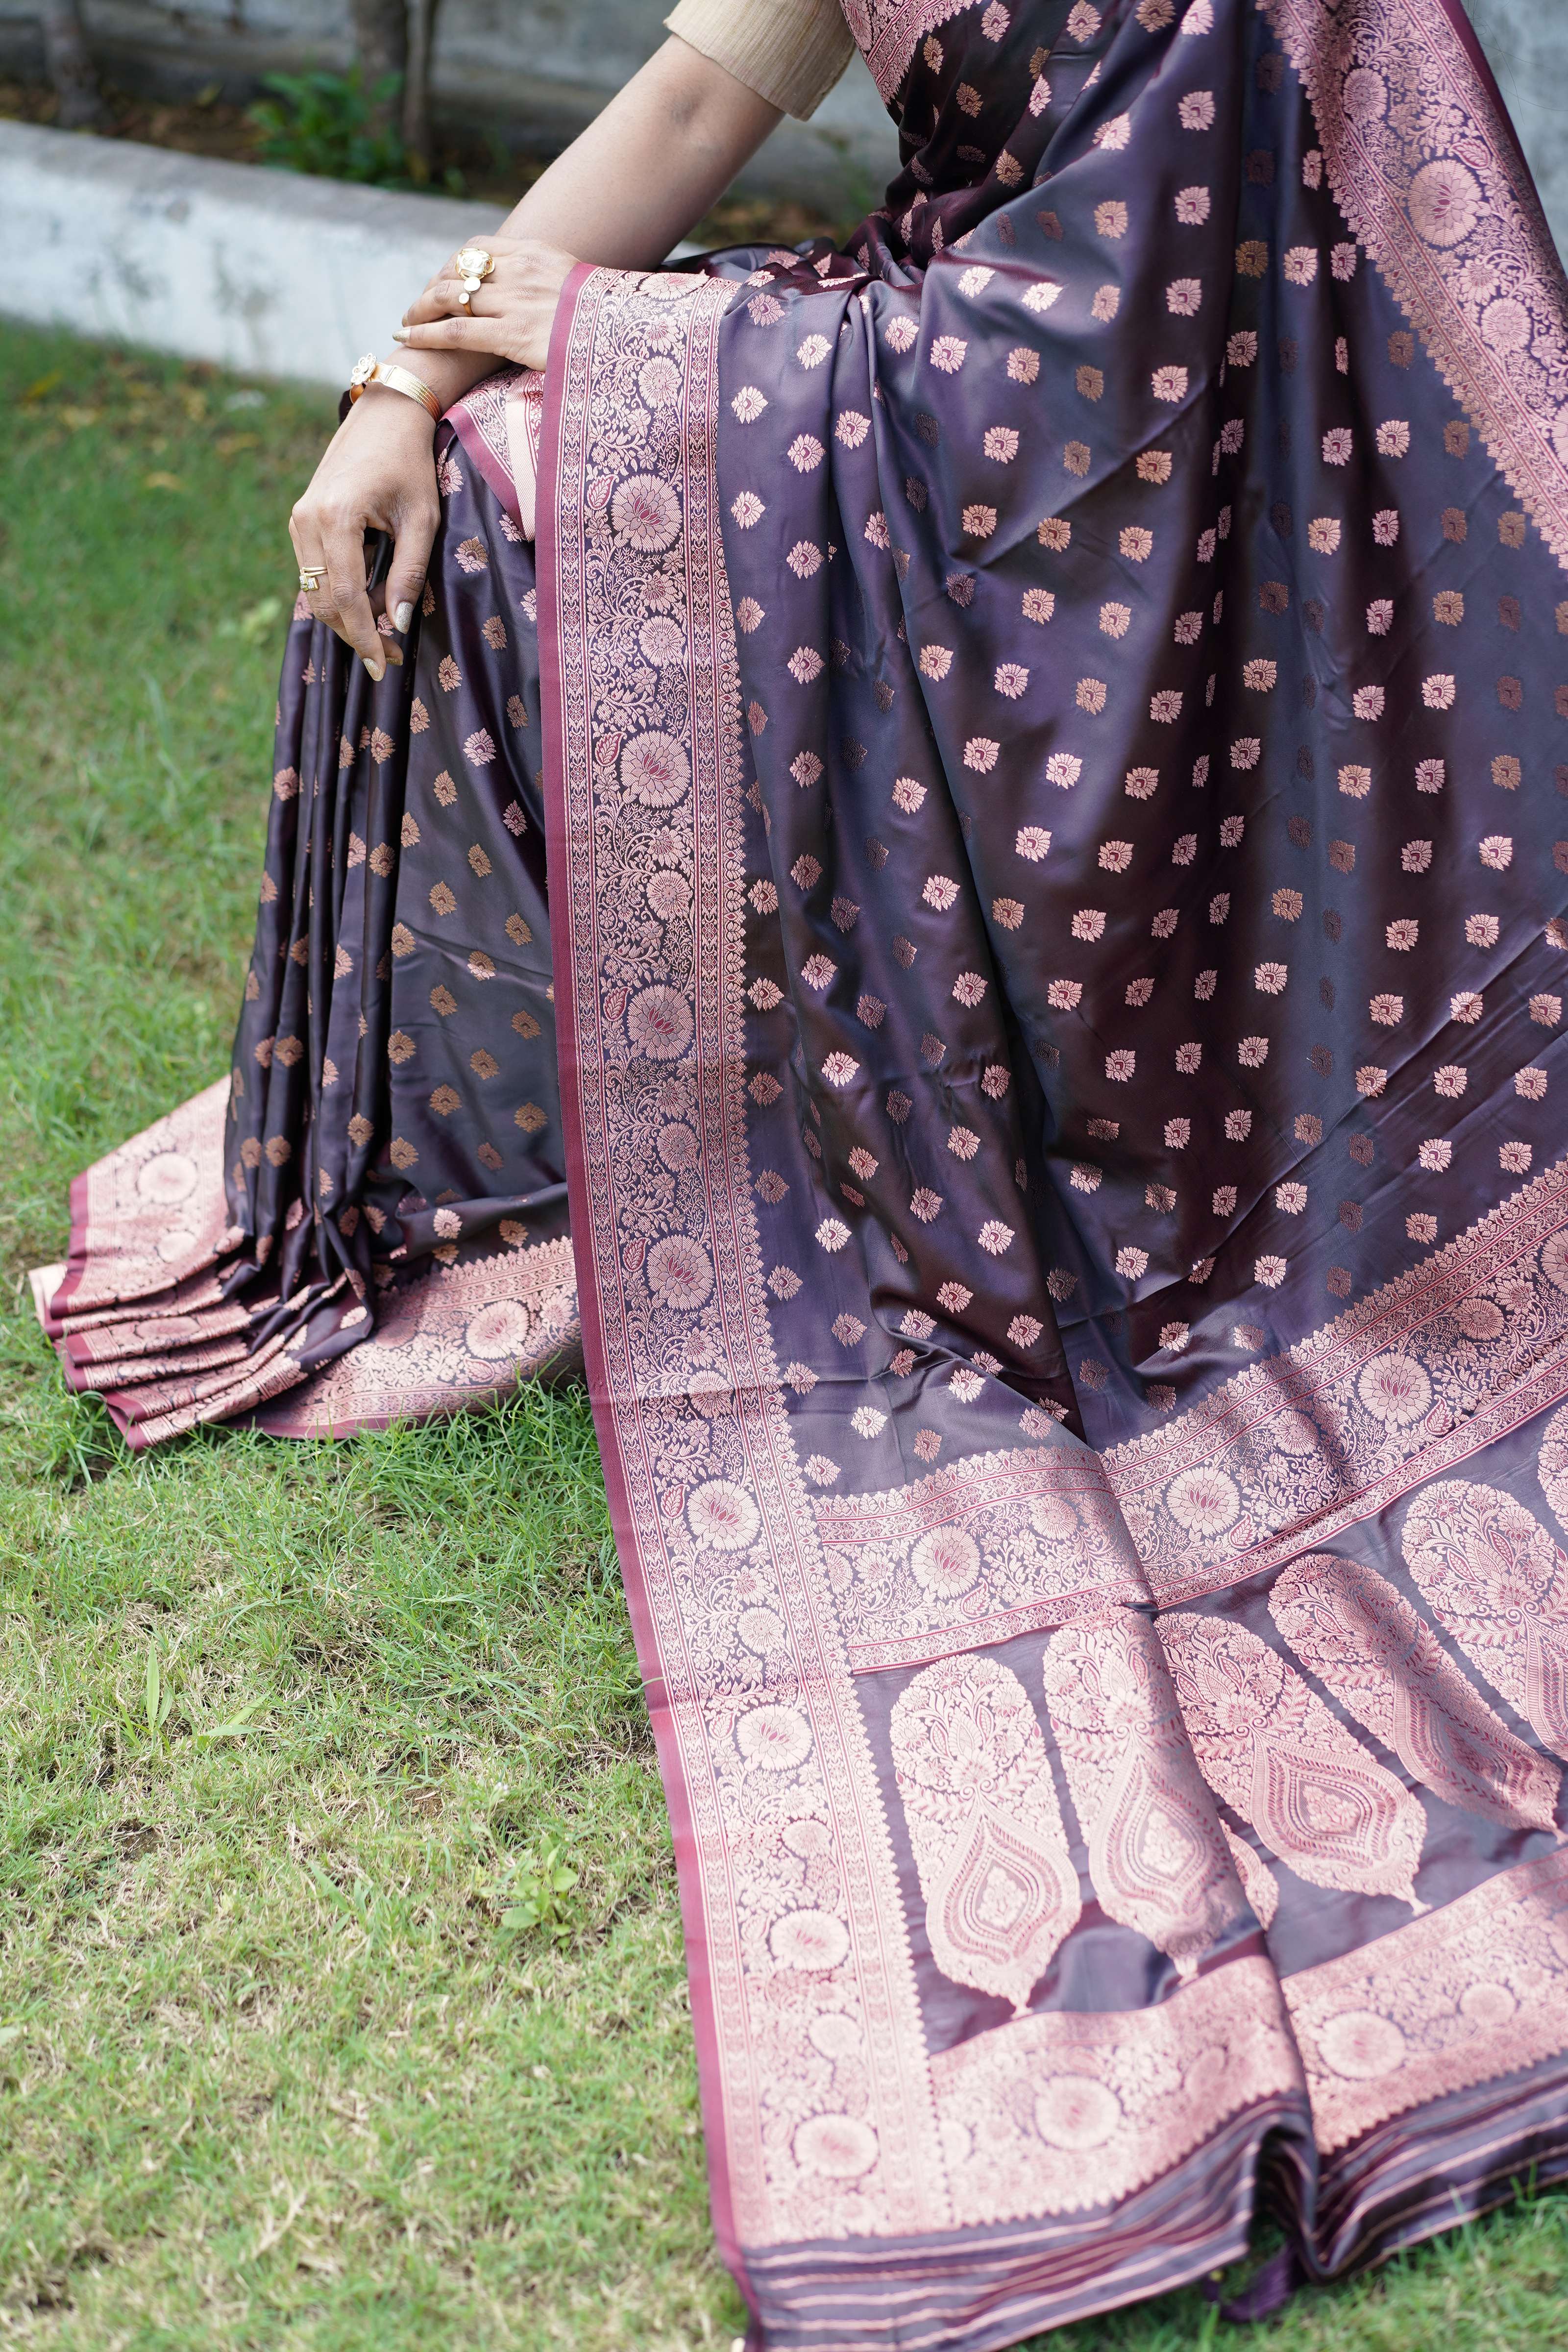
(987,936)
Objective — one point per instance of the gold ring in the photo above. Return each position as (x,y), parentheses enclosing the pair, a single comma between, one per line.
(473,265)
(311,576)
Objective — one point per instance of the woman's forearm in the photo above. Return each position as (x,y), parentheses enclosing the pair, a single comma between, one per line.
(647,168)
(631,185)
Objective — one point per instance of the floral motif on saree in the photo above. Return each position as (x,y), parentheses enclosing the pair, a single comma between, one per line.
(1496,1580)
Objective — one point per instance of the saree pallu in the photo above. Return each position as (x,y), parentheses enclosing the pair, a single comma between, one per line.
(1047,727)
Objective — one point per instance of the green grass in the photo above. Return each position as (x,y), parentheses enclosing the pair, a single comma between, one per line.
(288,1734)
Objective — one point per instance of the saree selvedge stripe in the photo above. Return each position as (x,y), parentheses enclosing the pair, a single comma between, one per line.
(1052,726)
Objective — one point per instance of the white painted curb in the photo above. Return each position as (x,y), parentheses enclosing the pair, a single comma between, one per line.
(268,273)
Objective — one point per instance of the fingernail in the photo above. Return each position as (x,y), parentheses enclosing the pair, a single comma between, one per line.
(399,335)
(403,618)
(376,668)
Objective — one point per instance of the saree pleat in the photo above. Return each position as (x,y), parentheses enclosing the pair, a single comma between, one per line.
(383,1230)
(1005,866)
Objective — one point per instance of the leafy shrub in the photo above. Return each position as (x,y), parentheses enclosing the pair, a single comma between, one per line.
(330,125)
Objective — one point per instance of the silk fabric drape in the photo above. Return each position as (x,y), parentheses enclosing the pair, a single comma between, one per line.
(1050,724)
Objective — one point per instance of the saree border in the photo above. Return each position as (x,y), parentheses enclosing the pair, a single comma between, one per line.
(888,32)
(519,1304)
(130,1238)
(660,1445)
(478,420)
(138,1315)
(1055,1511)
(1437,191)
(1410,2186)
(1468,1993)
(1022,2277)
(561,716)
(1376,1389)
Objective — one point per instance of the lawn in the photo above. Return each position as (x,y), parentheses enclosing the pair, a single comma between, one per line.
(296,1741)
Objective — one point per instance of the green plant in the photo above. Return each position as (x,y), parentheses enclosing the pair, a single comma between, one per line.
(541,1886)
(332,125)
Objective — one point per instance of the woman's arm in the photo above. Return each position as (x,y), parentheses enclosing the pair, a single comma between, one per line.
(646,169)
(622,193)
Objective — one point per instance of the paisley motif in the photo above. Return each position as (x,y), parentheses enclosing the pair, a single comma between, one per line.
(1499,1584)
(998,1907)
(1259,1883)
(1000,1889)
(1156,1856)
(1363,1641)
(1270,1748)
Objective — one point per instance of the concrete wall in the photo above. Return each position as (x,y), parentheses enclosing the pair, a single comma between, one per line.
(1526,42)
(265,272)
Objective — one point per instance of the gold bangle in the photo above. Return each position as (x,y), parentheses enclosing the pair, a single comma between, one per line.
(369,370)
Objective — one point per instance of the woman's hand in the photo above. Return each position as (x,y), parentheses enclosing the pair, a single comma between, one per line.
(510,312)
(631,185)
(378,473)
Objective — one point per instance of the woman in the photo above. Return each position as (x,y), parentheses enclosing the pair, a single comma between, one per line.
(1040,734)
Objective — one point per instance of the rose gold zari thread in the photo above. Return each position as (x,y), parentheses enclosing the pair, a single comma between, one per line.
(1428,177)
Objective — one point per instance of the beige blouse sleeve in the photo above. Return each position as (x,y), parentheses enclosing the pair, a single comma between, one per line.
(791,52)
